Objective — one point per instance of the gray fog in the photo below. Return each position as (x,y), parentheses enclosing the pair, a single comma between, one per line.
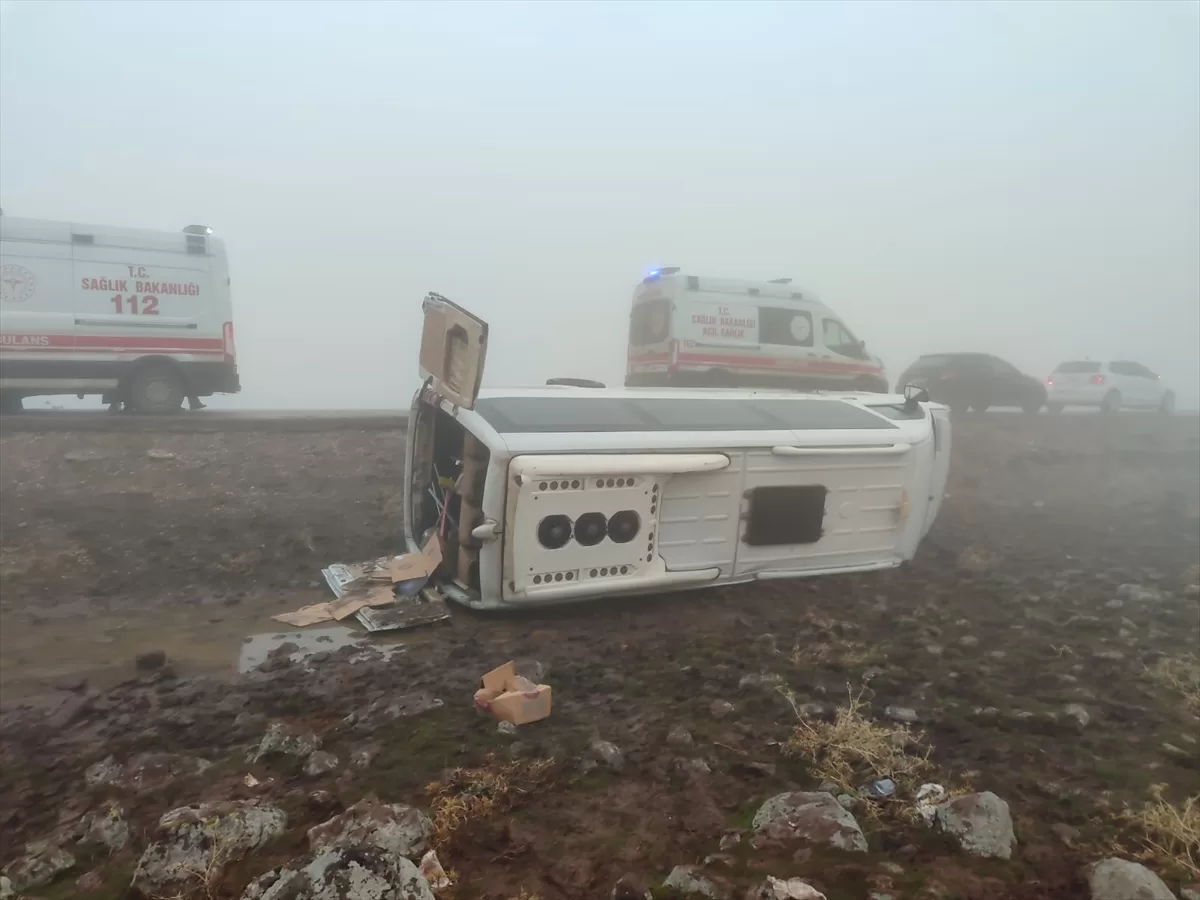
(1018,178)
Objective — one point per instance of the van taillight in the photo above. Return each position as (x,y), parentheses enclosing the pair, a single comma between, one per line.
(227,344)
(1050,381)
(1097,379)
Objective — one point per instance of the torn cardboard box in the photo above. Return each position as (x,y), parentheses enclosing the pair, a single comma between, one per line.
(511,697)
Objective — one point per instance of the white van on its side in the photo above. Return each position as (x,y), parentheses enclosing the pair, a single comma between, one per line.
(686,330)
(143,317)
(564,493)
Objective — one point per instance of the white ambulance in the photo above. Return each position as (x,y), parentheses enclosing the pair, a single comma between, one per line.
(691,331)
(143,317)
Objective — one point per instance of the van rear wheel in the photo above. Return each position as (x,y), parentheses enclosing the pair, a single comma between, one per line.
(156,390)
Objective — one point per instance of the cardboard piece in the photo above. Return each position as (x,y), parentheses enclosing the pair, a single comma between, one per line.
(411,566)
(308,615)
(512,698)
(380,595)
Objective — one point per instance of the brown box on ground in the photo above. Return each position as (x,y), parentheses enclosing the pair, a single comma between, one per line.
(512,698)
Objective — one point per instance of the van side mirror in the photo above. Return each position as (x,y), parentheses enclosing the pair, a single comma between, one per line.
(914,395)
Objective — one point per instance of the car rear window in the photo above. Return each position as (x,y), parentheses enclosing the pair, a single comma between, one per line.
(548,415)
(1078,368)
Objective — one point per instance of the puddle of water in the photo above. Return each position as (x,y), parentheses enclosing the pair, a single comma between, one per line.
(257,647)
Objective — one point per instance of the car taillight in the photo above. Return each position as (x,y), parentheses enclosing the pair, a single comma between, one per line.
(227,344)
(1049,382)
(1097,379)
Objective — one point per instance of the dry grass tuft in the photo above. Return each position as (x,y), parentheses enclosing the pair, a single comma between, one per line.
(469,796)
(1180,674)
(853,749)
(1169,834)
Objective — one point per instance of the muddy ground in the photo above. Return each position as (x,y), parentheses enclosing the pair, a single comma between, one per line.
(112,545)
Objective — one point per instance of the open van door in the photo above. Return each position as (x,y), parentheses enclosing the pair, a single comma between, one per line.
(453,349)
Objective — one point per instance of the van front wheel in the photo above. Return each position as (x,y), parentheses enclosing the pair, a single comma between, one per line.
(156,390)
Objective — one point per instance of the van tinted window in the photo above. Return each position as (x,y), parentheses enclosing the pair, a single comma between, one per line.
(548,415)
(650,323)
(788,327)
(1078,368)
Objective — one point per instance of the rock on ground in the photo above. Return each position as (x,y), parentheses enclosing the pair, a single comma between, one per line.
(279,739)
(789,889)
(105,828)
(193,841)
(364,873)
(41,864)
(6,888)
(320,762)
(1120,879)
(609,754)
(391,827)
(980,823)
(690,881)
(813,817)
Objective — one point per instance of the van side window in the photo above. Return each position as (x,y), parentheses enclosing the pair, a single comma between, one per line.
(841,341)
(789,327)
(650,323)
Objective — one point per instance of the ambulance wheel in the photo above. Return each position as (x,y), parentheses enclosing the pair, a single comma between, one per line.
(718,378)
(156,390)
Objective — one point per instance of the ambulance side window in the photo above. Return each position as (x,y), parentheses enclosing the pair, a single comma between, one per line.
(786,327)
(840,340)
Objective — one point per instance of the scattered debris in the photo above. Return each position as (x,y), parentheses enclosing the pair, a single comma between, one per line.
(405,612)
(250,781)
(929,796)
(880,789)
(512,698)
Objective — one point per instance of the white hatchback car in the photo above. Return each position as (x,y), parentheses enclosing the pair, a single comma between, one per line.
(1110,386)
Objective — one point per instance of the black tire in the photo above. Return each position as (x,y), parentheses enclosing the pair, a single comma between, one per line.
(156,390)
(11,403)
(959,407)
(1032,407)
(1111,403)
(1054,408)
(868,385)
(980,407)
(1167,406)
(718,378)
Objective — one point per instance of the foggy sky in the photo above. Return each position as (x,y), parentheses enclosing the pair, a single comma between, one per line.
(1019,178)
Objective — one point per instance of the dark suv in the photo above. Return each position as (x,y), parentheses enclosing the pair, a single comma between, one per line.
(974,381)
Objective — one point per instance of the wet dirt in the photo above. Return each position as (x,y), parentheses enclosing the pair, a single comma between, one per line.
(1008,614)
